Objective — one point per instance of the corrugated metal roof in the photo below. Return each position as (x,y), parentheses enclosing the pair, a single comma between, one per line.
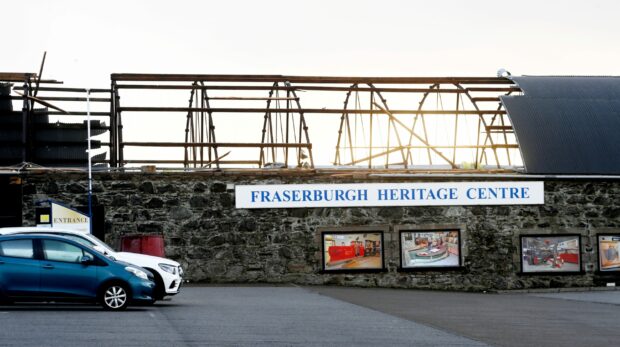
(567,125)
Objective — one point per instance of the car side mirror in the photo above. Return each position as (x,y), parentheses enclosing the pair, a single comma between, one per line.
(86,259)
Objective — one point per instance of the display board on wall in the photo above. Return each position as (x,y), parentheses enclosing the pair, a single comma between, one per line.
(352,251)
(389,194)
(432,249)
(550,254)
(609,252)
(65,217)
(43,219)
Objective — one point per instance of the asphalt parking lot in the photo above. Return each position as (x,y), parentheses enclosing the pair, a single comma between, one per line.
(324,316)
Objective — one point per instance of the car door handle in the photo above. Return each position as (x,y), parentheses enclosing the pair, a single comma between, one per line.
(1,262)
(48,266)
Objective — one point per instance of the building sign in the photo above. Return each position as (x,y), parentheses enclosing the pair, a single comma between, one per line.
(67,218)
(389,194)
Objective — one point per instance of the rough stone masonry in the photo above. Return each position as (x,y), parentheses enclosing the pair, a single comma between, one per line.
(217,243)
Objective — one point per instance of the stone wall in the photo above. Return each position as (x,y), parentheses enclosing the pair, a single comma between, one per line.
(215,242)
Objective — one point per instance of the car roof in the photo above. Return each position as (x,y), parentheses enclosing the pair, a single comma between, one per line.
(15,230)
(35,236)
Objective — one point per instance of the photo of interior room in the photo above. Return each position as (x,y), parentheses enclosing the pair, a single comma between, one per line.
(550,254)
(430,248)
(352,251)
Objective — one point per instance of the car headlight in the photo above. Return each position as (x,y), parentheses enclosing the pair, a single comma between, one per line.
(168,268)
(137,272)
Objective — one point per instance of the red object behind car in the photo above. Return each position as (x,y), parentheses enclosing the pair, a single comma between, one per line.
(143,244)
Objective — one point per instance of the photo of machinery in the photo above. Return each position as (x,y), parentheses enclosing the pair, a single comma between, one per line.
(352,251)
(550,253)
(435,248)
(609,252)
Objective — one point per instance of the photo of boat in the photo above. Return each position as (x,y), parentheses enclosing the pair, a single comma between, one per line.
(430,248)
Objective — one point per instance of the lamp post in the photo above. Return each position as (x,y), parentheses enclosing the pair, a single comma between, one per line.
(90,172)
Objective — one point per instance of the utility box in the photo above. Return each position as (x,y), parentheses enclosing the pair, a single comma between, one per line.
(143,244)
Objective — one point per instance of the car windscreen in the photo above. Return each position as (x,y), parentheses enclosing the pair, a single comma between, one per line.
(80,240)
(100,243)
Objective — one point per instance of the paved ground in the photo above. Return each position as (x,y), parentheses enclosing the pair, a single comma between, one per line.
(325,316)
(552,319)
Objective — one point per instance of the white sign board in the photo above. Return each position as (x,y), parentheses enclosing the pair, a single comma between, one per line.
(389,194)
(67,218)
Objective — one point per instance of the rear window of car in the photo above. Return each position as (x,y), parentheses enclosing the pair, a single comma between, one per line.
(17,248)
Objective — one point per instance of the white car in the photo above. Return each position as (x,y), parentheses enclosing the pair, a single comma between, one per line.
(168,273)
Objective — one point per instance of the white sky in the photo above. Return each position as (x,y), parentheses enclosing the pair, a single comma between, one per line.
(88,40)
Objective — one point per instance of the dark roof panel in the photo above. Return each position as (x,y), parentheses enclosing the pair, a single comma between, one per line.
(569,87)
(567,125)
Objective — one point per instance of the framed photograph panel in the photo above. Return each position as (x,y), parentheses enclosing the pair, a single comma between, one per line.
(609,252)
(346,251)
(430,249)
(550,254)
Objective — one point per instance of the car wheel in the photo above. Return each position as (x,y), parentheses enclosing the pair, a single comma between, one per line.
(114,297)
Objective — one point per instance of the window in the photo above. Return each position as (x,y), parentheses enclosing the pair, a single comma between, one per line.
(79,239)
(17,248)
(61,251)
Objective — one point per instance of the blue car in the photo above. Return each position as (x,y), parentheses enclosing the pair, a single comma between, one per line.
(54,268)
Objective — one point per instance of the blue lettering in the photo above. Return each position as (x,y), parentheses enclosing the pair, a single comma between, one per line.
(525,192)
(264,196)
(350,194)
(362,194)
(339,195)
(287,195)
(442,193)
(393,194)
(514,193)
(306,195)
(404,194)
(254,195)
(318,195)
(276,197)
(295,195)
(421,195)
(383,194)
(453,194)
(329,195)
(431,195)
(469,196)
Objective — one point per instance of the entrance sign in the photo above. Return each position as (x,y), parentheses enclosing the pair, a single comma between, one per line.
(68,218)
(390,194)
